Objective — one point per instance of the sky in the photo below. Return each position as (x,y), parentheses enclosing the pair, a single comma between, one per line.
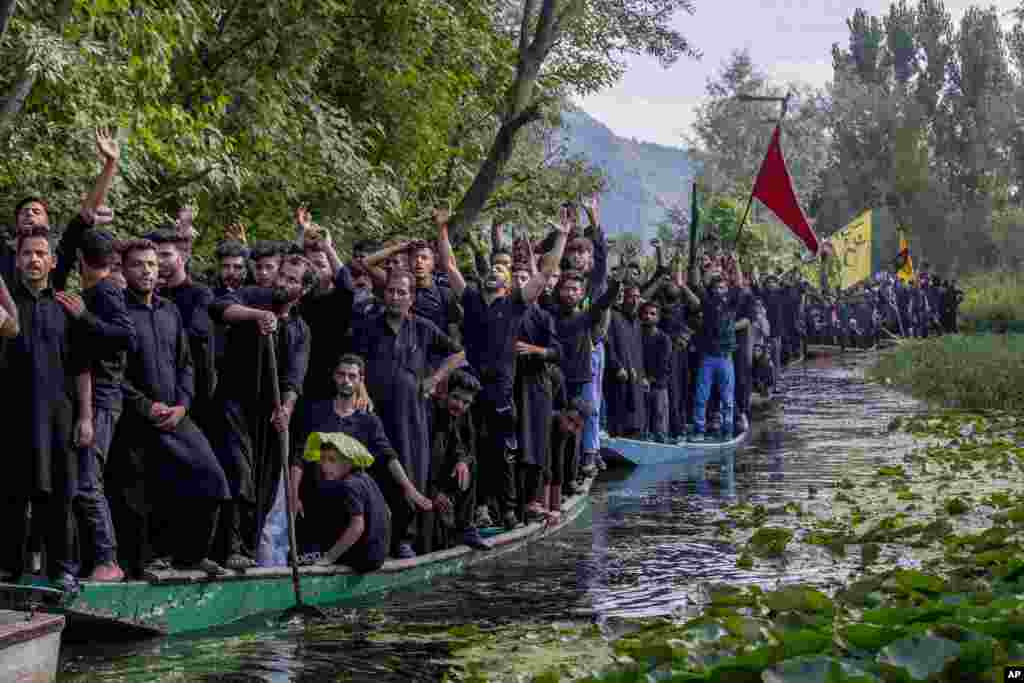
(790,40)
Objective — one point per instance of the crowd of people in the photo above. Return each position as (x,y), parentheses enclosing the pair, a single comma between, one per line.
(413,404)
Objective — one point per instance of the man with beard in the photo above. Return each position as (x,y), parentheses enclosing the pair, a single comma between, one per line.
(395,346)
(342,414)
(627,385)
(169,479)
(573,329)
(47,365)
(588,255)
(110,334)
(657,351)
(538,353)
(452,486)
(231,269)
(231,274)
(492,316)
(193,302)
(249,447)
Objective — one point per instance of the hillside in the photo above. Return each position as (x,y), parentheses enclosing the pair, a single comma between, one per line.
(643,176)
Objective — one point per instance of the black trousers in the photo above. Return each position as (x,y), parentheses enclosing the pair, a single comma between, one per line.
(744,376)
(496,463)
(679,392)
(52,516)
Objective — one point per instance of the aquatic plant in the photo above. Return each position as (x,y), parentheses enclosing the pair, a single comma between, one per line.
(983,372)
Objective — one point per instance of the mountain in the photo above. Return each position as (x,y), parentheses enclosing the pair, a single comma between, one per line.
(643,177)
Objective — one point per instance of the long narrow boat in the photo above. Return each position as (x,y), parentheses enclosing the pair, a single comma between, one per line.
(640,452)
(180,601)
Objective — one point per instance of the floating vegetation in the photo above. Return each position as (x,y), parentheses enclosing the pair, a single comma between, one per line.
(941,542)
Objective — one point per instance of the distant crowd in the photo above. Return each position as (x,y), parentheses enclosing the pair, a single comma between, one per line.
(414,405)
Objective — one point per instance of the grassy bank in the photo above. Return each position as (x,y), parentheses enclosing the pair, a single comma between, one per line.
(992,296)
(983,372)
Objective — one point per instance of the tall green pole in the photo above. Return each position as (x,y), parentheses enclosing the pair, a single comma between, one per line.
(694,227)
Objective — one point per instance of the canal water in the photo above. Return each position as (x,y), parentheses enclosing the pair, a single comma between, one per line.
(650,546)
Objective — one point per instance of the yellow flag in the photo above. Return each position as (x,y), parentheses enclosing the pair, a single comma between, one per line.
(904,264)
(852,246)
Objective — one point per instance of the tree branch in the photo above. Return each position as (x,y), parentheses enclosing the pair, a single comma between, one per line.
(7,8)
(524,28)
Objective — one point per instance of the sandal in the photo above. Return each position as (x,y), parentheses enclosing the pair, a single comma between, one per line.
(239,563)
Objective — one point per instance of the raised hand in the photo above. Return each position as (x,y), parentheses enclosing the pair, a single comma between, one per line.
(236,231)
(565,221)
(441,216)
(108,147)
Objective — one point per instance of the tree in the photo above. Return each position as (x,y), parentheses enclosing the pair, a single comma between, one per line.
(585,41)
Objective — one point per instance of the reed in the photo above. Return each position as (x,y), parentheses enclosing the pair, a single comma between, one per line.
(967,372)
(997,295)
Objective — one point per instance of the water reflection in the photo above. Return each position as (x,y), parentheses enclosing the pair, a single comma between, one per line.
(649,545)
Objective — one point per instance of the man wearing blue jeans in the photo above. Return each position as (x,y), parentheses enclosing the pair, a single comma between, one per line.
(717,342)
(592,393)
(110,334)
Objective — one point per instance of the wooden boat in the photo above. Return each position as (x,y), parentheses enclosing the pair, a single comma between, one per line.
(29,646)
(640,452)
(182,601)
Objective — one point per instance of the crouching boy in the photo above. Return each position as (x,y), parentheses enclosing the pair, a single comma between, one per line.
(348,517)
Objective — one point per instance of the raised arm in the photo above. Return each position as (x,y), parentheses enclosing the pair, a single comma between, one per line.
(536,285)
(444,247)
(110,153)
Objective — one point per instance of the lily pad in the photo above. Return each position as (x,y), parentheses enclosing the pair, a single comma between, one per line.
(769,541)
(921,656)
(911,580)
(798,598)
(956,506)
(871,638)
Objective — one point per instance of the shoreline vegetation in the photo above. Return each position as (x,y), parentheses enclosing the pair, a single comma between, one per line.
(992,297)
(966,372)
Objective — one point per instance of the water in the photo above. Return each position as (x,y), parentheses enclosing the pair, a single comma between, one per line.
(649,546)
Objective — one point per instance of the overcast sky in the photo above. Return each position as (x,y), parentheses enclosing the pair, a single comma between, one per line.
(787,39)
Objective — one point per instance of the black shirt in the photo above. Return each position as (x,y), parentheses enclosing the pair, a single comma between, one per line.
(110,335)
(240,380)
(334,506)
(657,357)
(489,333)
(159,368)
(193,302)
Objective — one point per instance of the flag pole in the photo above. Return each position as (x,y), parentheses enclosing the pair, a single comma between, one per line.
(694,217)
(784,101)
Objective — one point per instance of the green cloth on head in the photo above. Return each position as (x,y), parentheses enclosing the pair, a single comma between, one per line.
(350,449)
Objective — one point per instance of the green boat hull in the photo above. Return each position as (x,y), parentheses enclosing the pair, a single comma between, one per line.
(176,602)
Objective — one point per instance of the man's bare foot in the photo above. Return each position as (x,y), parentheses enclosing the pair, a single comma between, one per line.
(106,573)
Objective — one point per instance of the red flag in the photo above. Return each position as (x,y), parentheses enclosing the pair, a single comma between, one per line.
(775,190)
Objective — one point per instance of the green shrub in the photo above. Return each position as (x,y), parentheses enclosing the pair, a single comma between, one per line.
(992,296)
(984,372)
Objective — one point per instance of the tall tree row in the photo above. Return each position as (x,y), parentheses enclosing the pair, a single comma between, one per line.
(370,112)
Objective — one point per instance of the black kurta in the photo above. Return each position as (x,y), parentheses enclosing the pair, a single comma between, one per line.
(625,399)
(193,302)
(534,391)
(453,441)
(395,366)
(42,363)
(250,447)
(180,463)
(328,316)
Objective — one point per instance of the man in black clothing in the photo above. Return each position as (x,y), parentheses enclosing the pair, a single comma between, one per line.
(657,349)
(625,388)
(110,334)
(265,257)
(193,302)
(231,266)
(47,367)
(170,479)
(395,346)
(249,448)
(452,469)
(491,320)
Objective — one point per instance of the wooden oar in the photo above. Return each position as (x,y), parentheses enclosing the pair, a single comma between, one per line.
(300,608)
